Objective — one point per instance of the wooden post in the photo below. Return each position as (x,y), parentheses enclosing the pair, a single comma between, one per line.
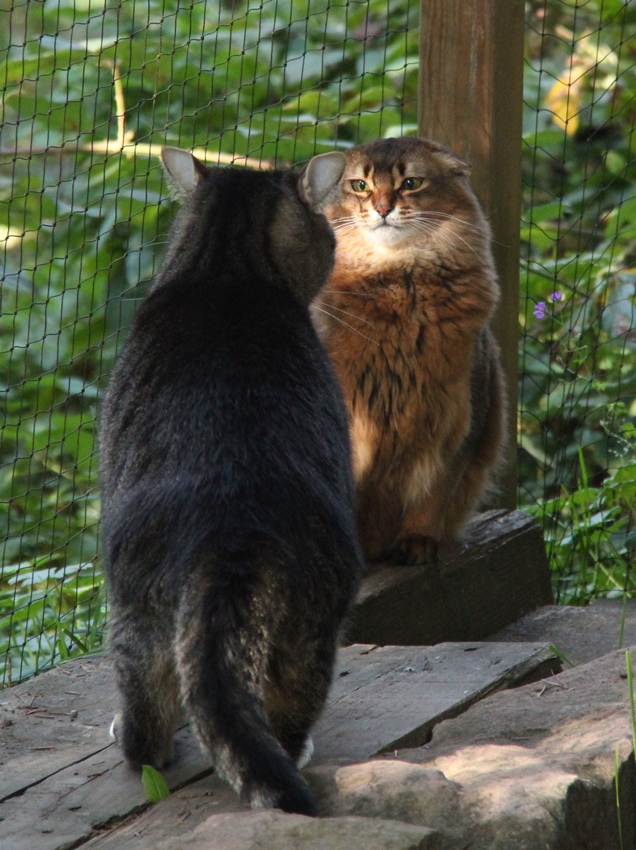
(470,99)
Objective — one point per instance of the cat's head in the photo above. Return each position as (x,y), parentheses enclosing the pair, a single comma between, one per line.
(268,221)
(397,193)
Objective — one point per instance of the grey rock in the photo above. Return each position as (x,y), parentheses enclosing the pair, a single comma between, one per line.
(273,830)
(532,768)
(393,789)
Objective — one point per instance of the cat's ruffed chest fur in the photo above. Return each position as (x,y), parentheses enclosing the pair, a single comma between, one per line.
(403,360)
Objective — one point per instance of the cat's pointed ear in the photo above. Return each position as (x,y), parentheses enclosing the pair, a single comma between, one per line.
(321,176)
(183,169)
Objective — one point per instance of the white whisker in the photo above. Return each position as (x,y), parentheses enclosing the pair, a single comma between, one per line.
(344,228)
(445,237)
(476,228)
(346,313)
(429,222)
(344,218)
(436,215)
(346,324)
(349,292)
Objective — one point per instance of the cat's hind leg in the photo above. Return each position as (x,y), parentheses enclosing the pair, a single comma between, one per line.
(296,689)
(148,691)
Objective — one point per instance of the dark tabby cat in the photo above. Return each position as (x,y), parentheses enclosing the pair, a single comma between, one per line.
(227,495)
(405,320)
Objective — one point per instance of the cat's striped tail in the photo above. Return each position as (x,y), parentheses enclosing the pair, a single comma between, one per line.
(222,650)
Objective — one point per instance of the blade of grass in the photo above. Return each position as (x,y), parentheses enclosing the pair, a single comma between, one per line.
(618,800)
(621,634)
(560,655)
(630,685)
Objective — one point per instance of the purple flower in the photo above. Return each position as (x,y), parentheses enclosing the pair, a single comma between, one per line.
(556,296)
(540,310)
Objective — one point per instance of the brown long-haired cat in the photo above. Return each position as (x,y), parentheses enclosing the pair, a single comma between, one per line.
(405,320)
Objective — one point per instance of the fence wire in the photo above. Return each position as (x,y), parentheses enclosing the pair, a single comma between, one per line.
(91,92)
(577,441)
(92,89)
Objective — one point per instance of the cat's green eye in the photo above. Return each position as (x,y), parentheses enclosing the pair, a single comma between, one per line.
(359,186)
(412,183)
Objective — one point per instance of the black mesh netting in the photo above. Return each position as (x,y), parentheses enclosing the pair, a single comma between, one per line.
(92,90)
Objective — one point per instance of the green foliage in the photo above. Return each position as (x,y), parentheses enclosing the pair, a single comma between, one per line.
(276,79)
(48,612)
(83,222)
(83,228)
(588,535)
(577,459)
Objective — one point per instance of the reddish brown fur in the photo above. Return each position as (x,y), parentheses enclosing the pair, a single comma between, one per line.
(405,320)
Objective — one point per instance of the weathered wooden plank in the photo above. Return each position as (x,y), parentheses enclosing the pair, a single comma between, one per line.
(54,720)
(497,575)
(390,698)
(382,698)
(471,100)
(175,816)
(67,806)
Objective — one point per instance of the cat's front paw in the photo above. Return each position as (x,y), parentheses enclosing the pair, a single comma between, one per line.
(415,549)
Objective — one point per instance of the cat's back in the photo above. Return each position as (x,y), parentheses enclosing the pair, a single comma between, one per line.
(195,348)
(196,330)
(223,383)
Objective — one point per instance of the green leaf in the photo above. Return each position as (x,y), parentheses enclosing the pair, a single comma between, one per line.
(154,784)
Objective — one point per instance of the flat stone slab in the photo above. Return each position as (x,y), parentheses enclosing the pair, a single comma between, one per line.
(579,633)
(265,829)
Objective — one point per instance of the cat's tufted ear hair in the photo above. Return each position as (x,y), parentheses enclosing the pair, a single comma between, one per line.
(454,164)
(321,176)
(184,171)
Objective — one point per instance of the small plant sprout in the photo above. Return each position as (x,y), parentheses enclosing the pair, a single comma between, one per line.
(155,785)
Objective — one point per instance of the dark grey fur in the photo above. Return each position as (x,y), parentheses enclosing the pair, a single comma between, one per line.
(227,505)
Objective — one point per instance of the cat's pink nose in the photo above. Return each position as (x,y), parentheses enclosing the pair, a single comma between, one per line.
(383,208)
